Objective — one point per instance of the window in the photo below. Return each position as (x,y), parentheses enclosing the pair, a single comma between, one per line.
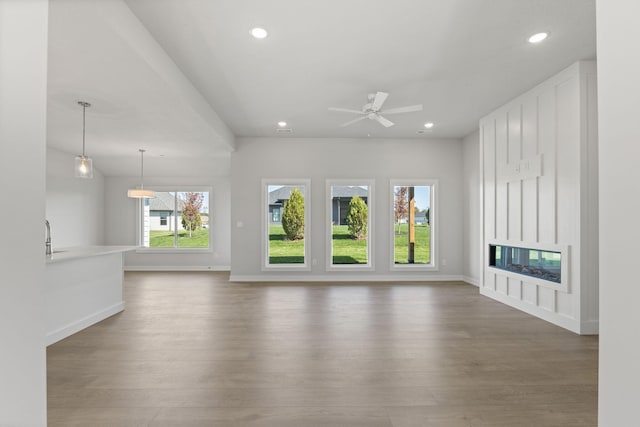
(286,224)
(413,221)
(349,215)
(176,220)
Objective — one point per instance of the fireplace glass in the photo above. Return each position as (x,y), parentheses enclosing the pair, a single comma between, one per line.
(537,263)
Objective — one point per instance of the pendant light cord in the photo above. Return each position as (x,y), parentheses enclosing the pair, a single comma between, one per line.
(84,113)
(84,110)
(142,169)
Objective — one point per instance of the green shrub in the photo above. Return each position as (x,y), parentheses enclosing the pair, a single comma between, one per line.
(293,216)
(357,218)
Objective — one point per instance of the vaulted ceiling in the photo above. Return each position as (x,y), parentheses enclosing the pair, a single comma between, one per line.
(183,78)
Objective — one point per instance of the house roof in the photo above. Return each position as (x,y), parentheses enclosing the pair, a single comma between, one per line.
(344,191)
(282,193)
(164,202)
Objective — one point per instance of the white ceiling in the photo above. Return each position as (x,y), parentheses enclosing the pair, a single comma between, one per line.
(187,78)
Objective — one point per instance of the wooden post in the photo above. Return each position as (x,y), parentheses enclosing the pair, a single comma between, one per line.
(412,224)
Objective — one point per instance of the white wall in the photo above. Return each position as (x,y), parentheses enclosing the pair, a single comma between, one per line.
(553,206)
(23,101)
(619,133)
(74,206)
(322,159)
(120,220)
(471,190)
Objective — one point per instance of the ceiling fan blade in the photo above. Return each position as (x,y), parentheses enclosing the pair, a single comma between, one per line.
(350,122)
(408,109)
(345,110)
(384,122)
(378,100)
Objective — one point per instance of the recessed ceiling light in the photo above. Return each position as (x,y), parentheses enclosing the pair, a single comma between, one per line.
(537,38)
(259,33)
(282,124)
(429,125)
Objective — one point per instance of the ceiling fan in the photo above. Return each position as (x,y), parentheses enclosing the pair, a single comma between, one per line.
(372,110)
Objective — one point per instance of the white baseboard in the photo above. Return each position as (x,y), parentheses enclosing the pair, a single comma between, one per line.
(471,281)
(344,278)
(590,327)
(557,319)
(177,268)
(77,326)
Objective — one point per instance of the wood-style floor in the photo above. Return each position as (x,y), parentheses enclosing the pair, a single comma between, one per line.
(193,349)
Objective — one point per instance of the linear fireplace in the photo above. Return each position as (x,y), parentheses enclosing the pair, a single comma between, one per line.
(541,264)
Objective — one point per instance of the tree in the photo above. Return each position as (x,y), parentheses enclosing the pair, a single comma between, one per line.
(401,205)
(357,217)
(293,216)
(191,219)
(427,215)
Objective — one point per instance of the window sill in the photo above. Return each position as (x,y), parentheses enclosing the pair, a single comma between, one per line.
(174,251)
(414,267)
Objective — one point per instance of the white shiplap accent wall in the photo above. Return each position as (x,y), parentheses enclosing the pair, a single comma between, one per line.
(539,180)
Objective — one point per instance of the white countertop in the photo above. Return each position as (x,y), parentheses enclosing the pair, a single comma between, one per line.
(76,252)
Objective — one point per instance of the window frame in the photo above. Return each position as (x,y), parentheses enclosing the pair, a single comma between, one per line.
(370,265)
(175,248)
(433,223)
(265,216)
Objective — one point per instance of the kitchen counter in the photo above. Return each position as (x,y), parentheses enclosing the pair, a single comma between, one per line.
(83,287)
(65,254)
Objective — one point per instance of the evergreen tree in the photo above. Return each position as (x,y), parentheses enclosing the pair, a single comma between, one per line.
(357,217)
(293,216)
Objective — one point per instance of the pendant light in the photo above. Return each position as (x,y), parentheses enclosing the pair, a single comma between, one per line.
(141,193)
(83,164)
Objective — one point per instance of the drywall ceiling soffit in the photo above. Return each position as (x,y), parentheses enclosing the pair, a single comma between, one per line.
(99,52)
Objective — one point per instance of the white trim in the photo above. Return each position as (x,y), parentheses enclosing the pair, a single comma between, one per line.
(177,268)
(557,319)
(590,327)
(264,206)
(370,184)
(345,278)
(471,280)
(70,329)
(433,217)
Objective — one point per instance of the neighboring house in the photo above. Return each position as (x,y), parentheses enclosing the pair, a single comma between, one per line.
(341,196)
(277,198)
(161,212)
(421,218)
(339,202)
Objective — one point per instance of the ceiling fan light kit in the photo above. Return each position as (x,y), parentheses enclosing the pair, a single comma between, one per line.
(372,110)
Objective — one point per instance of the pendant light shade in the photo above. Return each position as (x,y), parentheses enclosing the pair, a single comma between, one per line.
(83,165)
(141,193)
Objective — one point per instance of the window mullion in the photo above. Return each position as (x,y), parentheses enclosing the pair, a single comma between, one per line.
(175,219)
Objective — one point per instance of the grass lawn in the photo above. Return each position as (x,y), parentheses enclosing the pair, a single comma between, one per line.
(283,251)
(164,239)
(345,249)
(421,248)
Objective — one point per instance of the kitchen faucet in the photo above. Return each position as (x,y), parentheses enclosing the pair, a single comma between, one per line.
(47,242)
